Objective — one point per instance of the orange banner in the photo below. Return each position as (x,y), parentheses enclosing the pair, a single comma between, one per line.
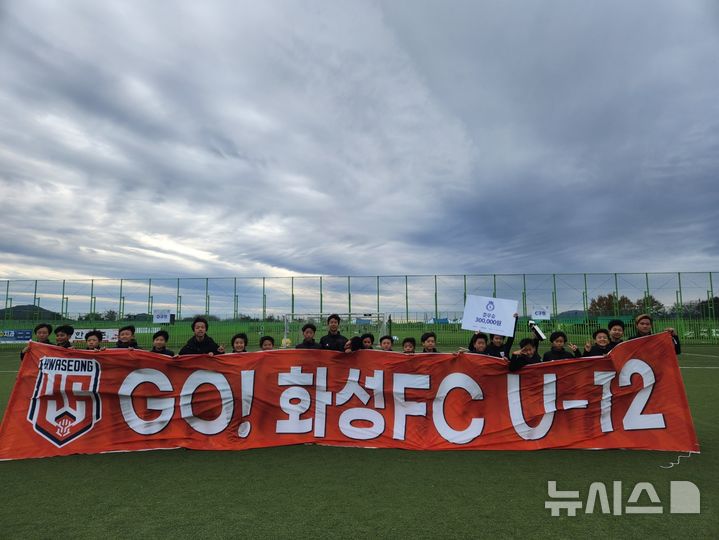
(69,401)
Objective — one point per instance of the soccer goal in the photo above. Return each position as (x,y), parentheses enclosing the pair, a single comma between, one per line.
(351,324)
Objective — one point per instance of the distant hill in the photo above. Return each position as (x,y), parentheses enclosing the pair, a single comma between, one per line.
(27,313)
(571,314)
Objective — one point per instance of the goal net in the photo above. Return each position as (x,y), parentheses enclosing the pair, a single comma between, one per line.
(351,324)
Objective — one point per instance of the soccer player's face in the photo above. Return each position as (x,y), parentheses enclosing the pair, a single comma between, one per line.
(429,343)
(367,343)
(238,345)
(408,347)
(61,337)
(386,344)
(558,343)
(267,345)
(42,334)
(125,336)
(644,326)
(497,340)
(159,343)
(616,332)
(602,339)
(333,325)
(92,342)
(480,345)
(528,350)
(200,330)
(308,334)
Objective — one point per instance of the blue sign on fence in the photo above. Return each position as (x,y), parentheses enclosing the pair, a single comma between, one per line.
(15,336)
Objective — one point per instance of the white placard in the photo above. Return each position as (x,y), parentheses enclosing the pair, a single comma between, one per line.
(541,313)
(108,334)
(161,316)
(491,315)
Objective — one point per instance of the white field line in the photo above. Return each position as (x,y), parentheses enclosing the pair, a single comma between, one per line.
(699,367)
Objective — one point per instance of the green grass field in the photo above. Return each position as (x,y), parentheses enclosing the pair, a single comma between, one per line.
(315,491)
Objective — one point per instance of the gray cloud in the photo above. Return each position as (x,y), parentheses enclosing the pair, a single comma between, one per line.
(346,138)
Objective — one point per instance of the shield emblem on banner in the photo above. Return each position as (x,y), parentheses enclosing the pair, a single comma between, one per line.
(66,403)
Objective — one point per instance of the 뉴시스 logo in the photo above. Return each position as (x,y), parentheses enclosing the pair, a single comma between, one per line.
(684,498)
(490,306)
(65,404)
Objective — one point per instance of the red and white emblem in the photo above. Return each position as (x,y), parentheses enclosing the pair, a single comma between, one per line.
(65,404)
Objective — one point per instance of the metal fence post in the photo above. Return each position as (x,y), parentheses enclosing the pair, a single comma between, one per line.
(406,298)
(378,295)
(120,305)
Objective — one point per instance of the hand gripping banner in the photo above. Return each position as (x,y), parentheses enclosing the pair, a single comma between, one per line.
(80,402)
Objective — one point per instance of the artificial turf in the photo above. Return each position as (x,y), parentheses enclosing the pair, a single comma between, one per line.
(316,491)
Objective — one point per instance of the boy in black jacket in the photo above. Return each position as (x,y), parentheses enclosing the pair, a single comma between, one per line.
(643,327)
(63,334)
(602,344)
(429,340)
(93,340)
(557,351)
(42,335)
(333,341)
(159,343)
(616,332)
(497,346)
(308,333)
(126,338)
(527,354)
(200,342)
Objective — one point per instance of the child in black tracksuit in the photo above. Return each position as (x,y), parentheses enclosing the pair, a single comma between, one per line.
(602,344)
(557,352)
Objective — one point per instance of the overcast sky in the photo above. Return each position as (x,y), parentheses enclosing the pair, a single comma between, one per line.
(357,137)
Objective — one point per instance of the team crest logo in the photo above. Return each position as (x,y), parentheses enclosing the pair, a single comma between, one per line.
(65,404)
(490,306)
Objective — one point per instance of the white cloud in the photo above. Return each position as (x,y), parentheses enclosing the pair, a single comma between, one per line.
(245,138)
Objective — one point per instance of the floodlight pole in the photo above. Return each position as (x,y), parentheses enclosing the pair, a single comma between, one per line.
(377,294)
(349,297)
(235,299)
(178,301)
(34,301)
(406,298)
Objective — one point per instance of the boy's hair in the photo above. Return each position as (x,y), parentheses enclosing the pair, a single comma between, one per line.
(479,336)
(355,343)
(240,335)
(129,327)
(161,333)
(66,329)
(267,338)
(409,340)
(200,319)
(600,331)
(334,316)
(527,341)
(386,337)
(557,334)
(615,322)
(95,333)
(427,335)
(43,325)
(309,325)
(368,335)
(643,316)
